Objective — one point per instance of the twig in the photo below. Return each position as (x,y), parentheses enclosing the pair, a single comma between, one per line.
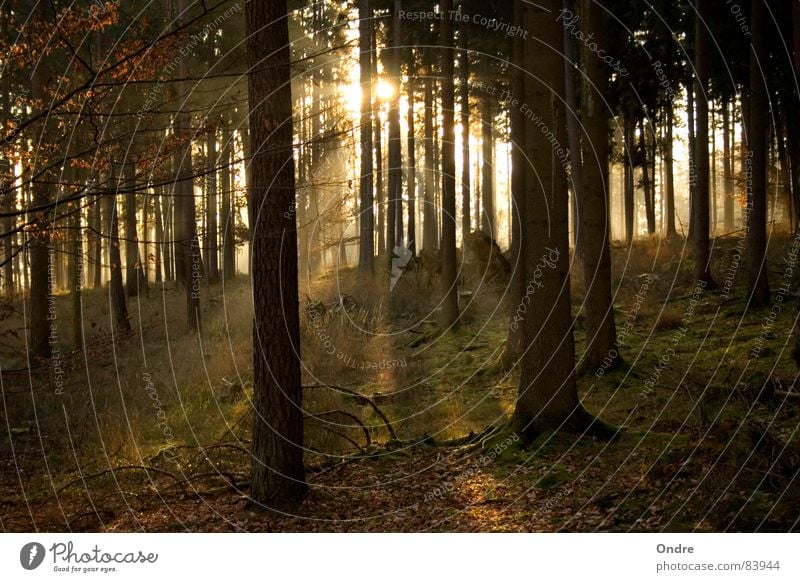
(363,398)
(367,438)
(123,468)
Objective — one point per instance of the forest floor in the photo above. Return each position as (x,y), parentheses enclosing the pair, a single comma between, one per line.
(150,432)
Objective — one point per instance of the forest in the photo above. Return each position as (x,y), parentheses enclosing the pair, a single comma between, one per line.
(399,266)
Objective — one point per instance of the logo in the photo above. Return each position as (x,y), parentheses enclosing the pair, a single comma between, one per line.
(400,258)
(31,555)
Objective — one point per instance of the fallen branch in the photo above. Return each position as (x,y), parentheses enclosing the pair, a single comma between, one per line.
(123,468)
(362,398)
(367,437)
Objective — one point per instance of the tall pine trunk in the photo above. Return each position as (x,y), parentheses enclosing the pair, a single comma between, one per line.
(366,245)
(449,283)
(669,171)
(727,171)
(212,227)
(429,230)
(487,169)
(700,202)
(756,136)
(465,150)
(593,241)
(278,474)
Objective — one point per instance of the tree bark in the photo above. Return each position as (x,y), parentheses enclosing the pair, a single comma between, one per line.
(466,226)
(429,230)
(366,245)
(593,240)
(756,136)
(212,227)
(39,237)
(278,474)
(134,275)
(548,396)
(727,171)
(227,215)
(700,202)
(516,333)
(649,207)
(116,291)
(411,174)
(394,218)
(628,195)
(669,172)
(487,169)
(449,283)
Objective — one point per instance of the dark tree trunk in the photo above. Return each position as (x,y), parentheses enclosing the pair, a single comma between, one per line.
(411,172)
(394,218)
(212,228)
(8,196)
(690,105)
(429,230)
(119,308)
(593,243)
(96,243)
(700,202)
(278,474)
(573,131)
(227,215)
(466,227)
(548,395)
(134,275)
(669,172)
(159,234)
(727,171)
(756,136)
(449,283)
(649,207)
(379,183)
(516,335)
(39,239)
(628,195)
(75,269)
(189,241)
(487,170)
(366,245)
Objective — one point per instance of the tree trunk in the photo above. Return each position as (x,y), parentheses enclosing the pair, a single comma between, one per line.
(278,474)
(700,202)
(628,195)
(573,131)
(212,228)
(8,196)
(487,170)
(429,230)
(39,239)
(727,171)
(159,227)
(449,283)
(466,226)
(411,173)
(366,244)
(649,210)
(75,270)
(548,396)
(692,154)
(227,216)
(669,171)
(116,291)
(394,218)
(134,276)
(516,336)
(758,285)
(593,243)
